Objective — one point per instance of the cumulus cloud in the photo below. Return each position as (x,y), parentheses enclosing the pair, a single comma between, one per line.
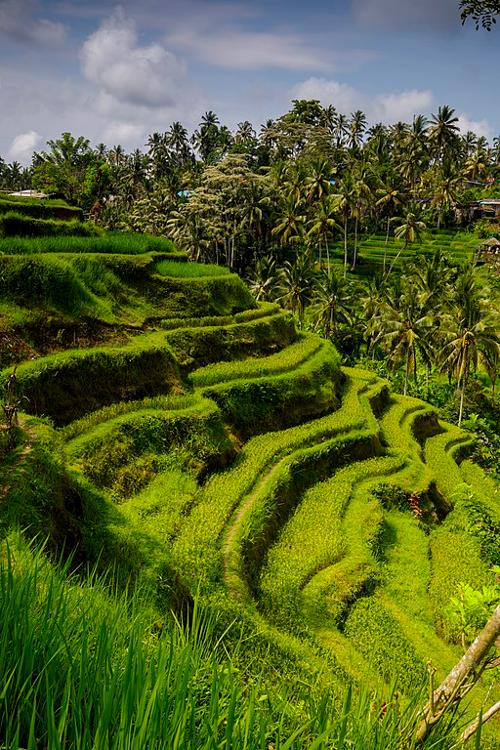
(401,106)
(23,146)
(388,107)
(146,76)
(479,127)
(19,21)
(344,97)
(125,133)
(407,14)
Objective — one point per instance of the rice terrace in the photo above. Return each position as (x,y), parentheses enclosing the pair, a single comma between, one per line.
(249,423)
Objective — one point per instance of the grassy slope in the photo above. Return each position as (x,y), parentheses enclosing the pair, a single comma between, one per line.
(306,538)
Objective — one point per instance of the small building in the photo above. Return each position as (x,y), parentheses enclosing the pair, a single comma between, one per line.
(490,207)
(489,248)
(28,194)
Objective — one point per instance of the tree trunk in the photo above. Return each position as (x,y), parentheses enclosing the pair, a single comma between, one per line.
(355,254)
(481,719)
(345,248)
(386,242)
(461,410)
(461,678)
(327,255)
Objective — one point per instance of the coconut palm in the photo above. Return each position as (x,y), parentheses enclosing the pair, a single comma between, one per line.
(357,127)
(404,327)
(324,223)
(445,195)
(469,340)
(410,230)
(263,279)
(391,198)
(296,284)
(290,224)
(317,183)
(443,133)
(331,303)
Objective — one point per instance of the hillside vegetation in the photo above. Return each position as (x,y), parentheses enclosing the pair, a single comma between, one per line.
(183,449)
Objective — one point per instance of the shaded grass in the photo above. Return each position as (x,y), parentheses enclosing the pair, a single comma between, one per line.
(16,224)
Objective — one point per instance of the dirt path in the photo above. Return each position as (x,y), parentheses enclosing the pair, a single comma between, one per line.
(235,525)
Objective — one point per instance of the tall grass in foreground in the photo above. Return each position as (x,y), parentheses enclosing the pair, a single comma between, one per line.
(83,669)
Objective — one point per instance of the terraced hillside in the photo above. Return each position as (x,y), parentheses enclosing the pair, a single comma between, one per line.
(216,452)
(375,250)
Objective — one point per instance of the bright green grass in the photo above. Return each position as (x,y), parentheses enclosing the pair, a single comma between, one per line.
(189,270)
(56,202)
(82,668)
(107,413)
(196,552)
(288,359)
(113,243)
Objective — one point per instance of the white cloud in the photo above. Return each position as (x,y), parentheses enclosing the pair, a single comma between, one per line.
(479,127)
(232,47)
(388,108)
(19,21)
(402,106)
(125,133)
(23,146)
(344,97)
(112,58)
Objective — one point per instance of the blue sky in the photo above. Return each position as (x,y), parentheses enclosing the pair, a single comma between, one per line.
(116,73)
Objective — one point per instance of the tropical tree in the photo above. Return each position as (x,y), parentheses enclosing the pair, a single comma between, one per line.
(331,303)
(290,223)
(482,12)
(443,134)
(404,325)
(468,338)
(410,230)
(263,279)
(391,198)
(324,223)
(296,283)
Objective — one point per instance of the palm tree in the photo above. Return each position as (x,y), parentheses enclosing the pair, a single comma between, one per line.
(344,201)
(357,127)
(296,284)
(341,129)
(404,326)
(443,133)
(290,222)
(317,183)
(263,279)
(468,338)
(245,132)
(331,303)
(410,230)
(391,198)
(445,195)
(360,194)
(324,224)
